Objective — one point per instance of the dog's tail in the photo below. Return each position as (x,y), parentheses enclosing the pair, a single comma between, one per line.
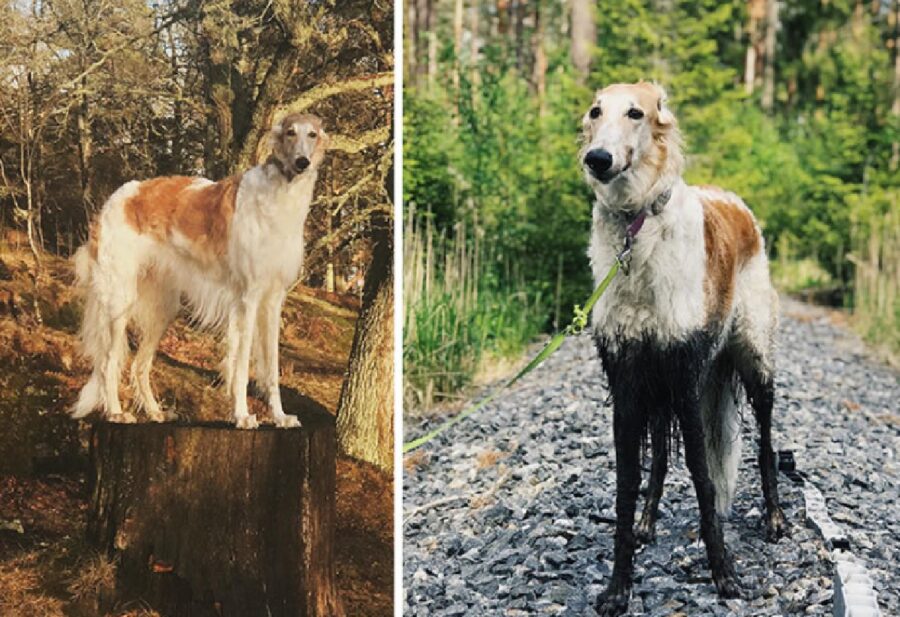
(722,430)
(93,330)
(96,339)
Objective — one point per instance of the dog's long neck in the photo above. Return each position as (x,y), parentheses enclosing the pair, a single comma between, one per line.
(288,195)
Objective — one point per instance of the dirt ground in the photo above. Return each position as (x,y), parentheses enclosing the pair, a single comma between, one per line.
(46,570)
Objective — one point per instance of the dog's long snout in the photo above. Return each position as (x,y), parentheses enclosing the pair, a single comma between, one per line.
(598,161)
(301,163)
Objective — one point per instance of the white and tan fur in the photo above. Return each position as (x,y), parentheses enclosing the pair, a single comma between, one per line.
(231,249)
(679,273)
(684,334)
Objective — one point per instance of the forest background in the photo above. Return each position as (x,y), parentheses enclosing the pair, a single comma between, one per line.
(94,93)
(794,105)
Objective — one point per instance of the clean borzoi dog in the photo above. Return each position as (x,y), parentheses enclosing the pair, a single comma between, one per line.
(678,337)
(230,248)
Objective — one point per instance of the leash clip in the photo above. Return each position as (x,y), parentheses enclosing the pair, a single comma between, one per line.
(624,256)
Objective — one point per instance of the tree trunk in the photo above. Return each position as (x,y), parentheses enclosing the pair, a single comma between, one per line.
(365,413)
(85,152)
(895,107)
(768,93)
(411,34)
(521,50)
(474,42)
(259,112)
(584,35)
(756,12)
(502,11)
(207,520)
(457,53)
(540,60)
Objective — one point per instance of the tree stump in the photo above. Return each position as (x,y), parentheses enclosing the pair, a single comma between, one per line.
(209,520)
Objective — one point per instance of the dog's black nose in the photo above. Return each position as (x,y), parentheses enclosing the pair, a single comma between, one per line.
(598,160)
(301,163)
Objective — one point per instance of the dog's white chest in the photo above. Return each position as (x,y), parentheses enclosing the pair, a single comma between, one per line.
(662,298)
(268,240)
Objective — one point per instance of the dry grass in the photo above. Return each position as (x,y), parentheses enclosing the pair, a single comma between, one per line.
(466,308)
(40,374)
(876,283)
(21,590)
(96,576)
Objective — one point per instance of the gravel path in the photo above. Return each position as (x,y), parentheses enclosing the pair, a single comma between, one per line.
(511,511)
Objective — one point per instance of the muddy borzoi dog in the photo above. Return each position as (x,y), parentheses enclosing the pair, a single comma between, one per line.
(230,249)
(684,333)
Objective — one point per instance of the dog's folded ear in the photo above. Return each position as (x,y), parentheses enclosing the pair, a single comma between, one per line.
(664,116)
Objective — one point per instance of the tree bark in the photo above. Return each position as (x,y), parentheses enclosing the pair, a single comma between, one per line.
(756,12)
(474,42)
(521,10)
(895,107)
(540,60)
(457,53)
(768,93)
(411,34)
(584,35)
(208,520)
(260,113)
(365,412)
(85,152)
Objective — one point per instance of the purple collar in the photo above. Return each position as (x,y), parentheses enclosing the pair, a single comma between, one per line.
(624,257)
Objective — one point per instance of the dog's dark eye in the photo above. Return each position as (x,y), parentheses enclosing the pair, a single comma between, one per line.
(595,112)
(313,134)
(290,132)
(635,114)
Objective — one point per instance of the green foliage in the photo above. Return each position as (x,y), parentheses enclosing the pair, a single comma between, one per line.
(459,313)
(485,150)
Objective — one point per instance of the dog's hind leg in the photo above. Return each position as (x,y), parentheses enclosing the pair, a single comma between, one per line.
(720,562)
(757,380)
(752,348)
(157,306)
(659,435)
(116,290)
(761,393)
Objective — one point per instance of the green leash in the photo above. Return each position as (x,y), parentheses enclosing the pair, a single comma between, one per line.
(578,323)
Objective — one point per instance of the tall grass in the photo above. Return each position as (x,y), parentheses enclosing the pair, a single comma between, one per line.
(465,305)
(876,285)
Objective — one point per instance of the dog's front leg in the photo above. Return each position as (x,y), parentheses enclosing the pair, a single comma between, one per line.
(270,322)
(627,424)
(710,526)
(244,321)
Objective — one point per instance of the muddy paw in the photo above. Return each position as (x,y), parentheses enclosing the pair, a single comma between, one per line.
(286,421)
(248,421)
(776,525)
(157,416)
(645,532)
(728,586)
(612,603)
